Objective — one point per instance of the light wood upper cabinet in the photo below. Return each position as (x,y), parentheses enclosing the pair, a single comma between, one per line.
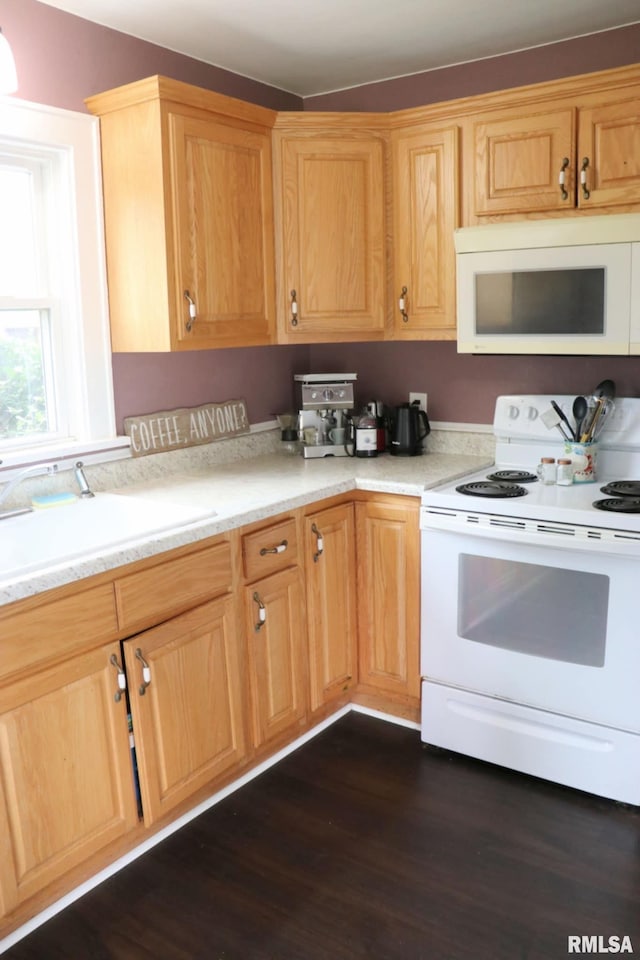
(518,159)
(330,233)
(66,790)
(388,543)
(425,214)
(609,138)
(188,709)
(187,185)
(330,573)
(552,154)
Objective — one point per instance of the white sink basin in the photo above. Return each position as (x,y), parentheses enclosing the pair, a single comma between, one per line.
(33,541)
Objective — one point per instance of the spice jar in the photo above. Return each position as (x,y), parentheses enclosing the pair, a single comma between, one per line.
(547,470)
(565,472)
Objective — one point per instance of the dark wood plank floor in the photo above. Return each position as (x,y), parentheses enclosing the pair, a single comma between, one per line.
(364,844)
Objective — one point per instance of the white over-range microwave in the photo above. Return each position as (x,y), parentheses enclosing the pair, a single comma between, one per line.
(567,286)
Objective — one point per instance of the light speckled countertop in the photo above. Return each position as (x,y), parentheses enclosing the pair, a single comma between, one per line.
(240,493)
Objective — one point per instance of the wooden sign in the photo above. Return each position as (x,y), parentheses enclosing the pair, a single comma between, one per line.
(186,427)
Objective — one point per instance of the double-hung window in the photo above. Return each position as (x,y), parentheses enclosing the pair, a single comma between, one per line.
(56,396)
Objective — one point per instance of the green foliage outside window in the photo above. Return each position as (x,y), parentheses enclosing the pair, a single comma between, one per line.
(23,409)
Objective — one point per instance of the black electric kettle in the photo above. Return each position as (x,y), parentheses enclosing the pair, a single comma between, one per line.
(410,426)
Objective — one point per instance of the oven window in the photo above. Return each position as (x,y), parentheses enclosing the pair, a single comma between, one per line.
(534,302)
(541,611)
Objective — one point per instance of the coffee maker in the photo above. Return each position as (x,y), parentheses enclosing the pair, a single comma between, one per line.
(323,400)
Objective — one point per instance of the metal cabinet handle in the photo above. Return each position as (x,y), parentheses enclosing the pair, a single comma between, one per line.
(294,309)
(402,305)
(193,313)
(146,673)
(262,612)
(122,680)
(319,543)
(586,193)
(281,547)
(562,179)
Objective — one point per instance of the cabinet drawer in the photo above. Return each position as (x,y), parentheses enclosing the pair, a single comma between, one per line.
(55,629)
(270,549)
(152,595)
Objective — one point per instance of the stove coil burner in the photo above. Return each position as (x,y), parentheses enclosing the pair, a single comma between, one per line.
(516,476)
(624,504)
(491,488)
(622,488)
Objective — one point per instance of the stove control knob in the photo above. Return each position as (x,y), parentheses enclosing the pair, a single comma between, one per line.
(314,394)
(327,394)
(514,413)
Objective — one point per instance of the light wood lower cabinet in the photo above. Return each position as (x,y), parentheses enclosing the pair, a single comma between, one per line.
(185,689)
(66,784)
(388,541)
(252,641)
(274,622)
(330,574)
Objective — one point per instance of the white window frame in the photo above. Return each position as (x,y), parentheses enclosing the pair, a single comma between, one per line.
(90,416)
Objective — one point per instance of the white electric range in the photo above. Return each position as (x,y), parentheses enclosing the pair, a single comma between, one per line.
(530,654)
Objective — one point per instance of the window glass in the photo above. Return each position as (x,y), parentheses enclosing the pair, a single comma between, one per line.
(56,394)
(533,609)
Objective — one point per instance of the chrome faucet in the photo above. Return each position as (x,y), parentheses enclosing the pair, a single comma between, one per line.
(38,469)
(85,490)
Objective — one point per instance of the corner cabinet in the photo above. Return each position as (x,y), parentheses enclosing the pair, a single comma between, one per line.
(187,185)
(388,544)
(330,573)
(329,180)
(425,214)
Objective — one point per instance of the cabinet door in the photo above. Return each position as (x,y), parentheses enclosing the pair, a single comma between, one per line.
(224,261)
(518,160)
(274,617)
(332,239)
(187,711)
(330,573)
(425,177)
(609,151)
(66,783)
(388,543)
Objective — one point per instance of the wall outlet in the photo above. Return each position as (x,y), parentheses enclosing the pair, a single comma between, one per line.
(421,398)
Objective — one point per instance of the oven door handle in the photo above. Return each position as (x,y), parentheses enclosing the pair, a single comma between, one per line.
(544,533)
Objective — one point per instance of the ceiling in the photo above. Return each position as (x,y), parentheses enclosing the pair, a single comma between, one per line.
(308,47)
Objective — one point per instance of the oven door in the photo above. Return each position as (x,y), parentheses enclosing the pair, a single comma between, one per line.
(550,626)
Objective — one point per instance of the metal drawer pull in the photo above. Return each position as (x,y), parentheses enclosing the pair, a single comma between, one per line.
(294,309)
(279,549)
(562,179)
(193,313)
(319,543)
(146,673)
(122,680)
(402,305)
(583,179)
(262,612)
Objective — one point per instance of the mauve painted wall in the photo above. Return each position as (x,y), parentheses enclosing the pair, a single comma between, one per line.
(62,59)
(600,51)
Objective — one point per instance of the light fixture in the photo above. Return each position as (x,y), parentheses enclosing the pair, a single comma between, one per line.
(8,76)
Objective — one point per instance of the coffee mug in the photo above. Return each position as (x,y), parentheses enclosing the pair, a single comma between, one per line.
(584,457)
(337,435)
